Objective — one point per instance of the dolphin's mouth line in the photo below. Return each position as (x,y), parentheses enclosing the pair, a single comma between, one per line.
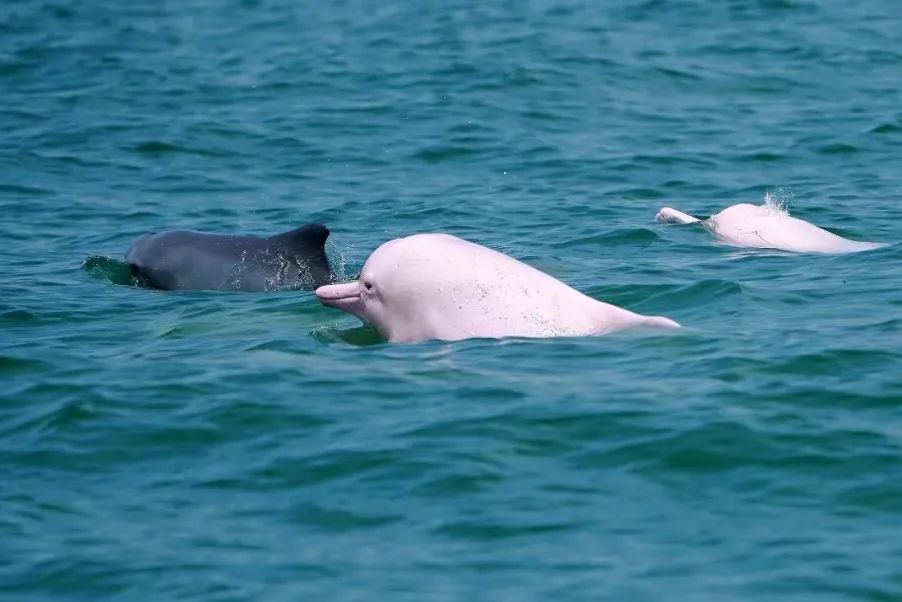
(344,298)
(325,295)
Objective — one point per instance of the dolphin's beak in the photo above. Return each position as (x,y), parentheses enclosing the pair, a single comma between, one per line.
(345,296)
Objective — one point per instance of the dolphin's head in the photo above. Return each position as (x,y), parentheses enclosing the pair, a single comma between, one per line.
(400,290)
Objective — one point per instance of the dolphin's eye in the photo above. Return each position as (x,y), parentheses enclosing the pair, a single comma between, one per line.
(368,285)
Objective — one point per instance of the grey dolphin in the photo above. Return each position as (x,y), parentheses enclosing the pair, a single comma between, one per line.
(186,259)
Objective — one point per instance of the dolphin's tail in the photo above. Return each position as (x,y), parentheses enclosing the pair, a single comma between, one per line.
(668,214)
(864,246)
(660,322)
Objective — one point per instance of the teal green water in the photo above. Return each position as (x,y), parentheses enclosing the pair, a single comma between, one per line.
(228,446)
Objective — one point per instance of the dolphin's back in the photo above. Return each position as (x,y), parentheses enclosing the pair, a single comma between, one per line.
(766,227)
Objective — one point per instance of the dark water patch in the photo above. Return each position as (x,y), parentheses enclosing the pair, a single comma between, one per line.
(564,434)
(460,482)
(58,392)
(359,336)
(764,157)
(679,74)
(729,448)
(539,115)
(838,148)
(325,467)
(711,449)
(846,398)
(663,160)
(336,520)
(222,483)
(737,369)
(70,415)
(18,189)
(786,5)
(37,510)
(44,317)
(838,362)
(498,393)
(486,531)
(156,148)
(705,292)
(18,317)
(880,497)
(178,187)
(10,365)
(260,418)
(487,427)
(177,440)
(54,457)
(193,330)
(279,345)
(470,128)
(438,154)
(56,576)
(890,127)
(641,193)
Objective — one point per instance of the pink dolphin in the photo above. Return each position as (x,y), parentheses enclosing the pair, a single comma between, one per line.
(768,227)
(437,286)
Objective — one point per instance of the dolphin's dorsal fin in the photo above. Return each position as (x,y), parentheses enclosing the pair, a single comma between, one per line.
(308,236)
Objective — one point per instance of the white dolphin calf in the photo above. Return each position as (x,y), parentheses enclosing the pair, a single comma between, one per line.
(437,286)
(768,227)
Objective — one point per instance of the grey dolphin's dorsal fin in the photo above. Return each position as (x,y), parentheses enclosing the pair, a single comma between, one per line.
(310,236)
